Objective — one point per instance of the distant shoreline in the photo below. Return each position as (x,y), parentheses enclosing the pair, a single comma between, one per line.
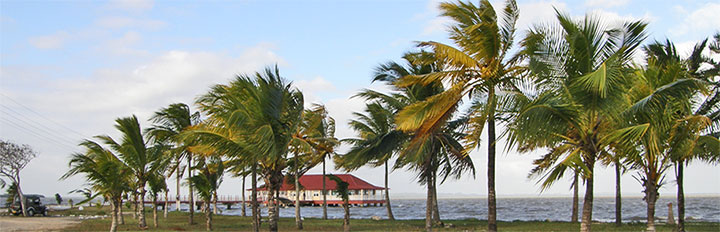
(450,197)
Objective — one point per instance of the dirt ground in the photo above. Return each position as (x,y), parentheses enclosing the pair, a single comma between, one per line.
(9,223)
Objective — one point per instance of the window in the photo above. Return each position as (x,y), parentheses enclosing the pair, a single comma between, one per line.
(315,194)
(373,192)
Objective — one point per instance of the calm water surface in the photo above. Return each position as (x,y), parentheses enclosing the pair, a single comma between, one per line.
(524,209)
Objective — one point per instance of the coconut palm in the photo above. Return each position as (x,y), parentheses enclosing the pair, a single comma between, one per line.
(141,159)
(320,133)
(156,184)
(478,67)
(207,182)
(259,115)
(168,124)
(376,143)
(579,68)
(105,174)
(341,190)
(690,132)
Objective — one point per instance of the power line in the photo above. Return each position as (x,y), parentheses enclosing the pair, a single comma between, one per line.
(42,116)
(11,123)
(45,131)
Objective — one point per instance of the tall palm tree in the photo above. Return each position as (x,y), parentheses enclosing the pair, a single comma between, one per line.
(376,143)
(259,114)
(579,69)
(168,124)
(136,155)
(321,138)
(477,68)
(105,174)
(691,133)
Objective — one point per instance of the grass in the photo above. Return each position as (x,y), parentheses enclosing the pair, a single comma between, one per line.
(178,221)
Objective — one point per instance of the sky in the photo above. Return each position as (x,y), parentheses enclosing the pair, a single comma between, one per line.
(68,69)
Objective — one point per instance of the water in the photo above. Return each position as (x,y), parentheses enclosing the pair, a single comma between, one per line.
(522,209)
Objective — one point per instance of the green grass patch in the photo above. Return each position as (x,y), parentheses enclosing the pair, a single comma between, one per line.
(178,221)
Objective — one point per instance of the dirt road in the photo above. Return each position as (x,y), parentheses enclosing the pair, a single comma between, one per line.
(9,223)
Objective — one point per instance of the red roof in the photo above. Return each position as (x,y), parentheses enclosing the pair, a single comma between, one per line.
(314,182)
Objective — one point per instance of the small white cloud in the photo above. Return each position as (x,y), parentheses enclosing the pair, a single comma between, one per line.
(53,41)
(605,3)
(704,20)
(132,5)
(122,22)
(538,12)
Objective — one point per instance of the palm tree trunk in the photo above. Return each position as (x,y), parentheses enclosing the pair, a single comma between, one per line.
(298,220)
(574,216)
(114,215)
(272,186)
(165,209)
(587,201)
(253,195)
(135,205)
(215,199)
(680,197)
(618,198)
(120,212)
(191,200)
(429,203)
(208,216)
(492,207)
(346,218)
(243,197)
(651,198)
(436,209)
(324,191)
(177,185)
(387,194)
(141,207)
(155,214)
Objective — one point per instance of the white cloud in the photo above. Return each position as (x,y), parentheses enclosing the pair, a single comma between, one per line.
(538,12)
(435,23)
(53,41)
(124,45)
(605,3)
(132,5)
(704,20)
(122,22)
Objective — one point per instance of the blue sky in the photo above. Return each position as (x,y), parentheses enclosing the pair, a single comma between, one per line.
(75,66)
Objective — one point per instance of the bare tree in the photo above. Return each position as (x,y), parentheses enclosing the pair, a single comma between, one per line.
(13,158)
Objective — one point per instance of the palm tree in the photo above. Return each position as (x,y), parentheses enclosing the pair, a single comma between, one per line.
(341,190)
(168,124)
(136,155)
(207,183)
(376,145)
(690,134)
(105,174)
(578,67)
(157,184)
(259,115)
(475,69)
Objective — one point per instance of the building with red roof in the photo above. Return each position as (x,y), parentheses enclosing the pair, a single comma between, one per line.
(361,192)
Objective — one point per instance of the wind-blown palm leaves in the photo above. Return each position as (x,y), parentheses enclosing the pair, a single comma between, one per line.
(140,159)
(253,117)
(168,124)
(425,153)
(475,69)
(105,174)
(668,89)
(579,67)
(207,182)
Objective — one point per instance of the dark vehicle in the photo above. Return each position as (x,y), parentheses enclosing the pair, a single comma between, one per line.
(33,205)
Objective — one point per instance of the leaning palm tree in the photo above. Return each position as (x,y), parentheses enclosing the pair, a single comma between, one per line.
(141,159)
(258,114)
(105,174)
(477,68)
(168,124)
(319,133)
(579,67)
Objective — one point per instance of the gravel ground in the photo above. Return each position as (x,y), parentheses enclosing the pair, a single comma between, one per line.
(11,223)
